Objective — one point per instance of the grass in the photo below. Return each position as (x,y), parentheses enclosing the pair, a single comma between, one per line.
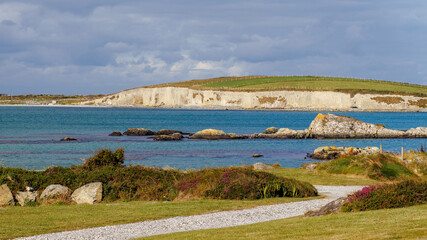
(46,98)
(322,178)
(303,83)
(28,221)
(402,223)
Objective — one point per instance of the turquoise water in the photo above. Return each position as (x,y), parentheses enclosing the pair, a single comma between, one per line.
(29,136)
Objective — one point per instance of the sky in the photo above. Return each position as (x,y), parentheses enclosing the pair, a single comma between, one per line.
(105,46)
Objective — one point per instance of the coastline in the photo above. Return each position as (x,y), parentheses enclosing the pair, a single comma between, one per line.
(216,108)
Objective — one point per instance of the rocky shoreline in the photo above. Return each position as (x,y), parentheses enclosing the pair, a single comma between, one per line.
(323,126)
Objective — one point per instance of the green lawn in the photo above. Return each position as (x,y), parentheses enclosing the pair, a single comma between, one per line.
(322,178)
(401,223)
(28,221)
(309,83)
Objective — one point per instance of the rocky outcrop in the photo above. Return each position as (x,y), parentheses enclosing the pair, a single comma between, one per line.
(282,133)
(185,97)
(138,132)
(6,197)
(334,126)
(329,153)
(270,130)
(24,198)
(116,134)
(88,194)
(213,134)
(172,137)
(262,166)
(55,191)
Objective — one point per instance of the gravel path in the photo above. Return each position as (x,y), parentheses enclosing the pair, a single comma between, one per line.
(205,221)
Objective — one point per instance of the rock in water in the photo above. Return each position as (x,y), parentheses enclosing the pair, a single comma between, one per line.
(68,139)
(270,130)
(55,191)
(262,166)
(213,134)
(257,155)
(138,132)
(334,126)
(88,194)
(6,197)
(172,137)
(115,133)
(166,132)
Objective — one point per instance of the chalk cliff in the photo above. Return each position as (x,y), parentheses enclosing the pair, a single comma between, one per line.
(186,97)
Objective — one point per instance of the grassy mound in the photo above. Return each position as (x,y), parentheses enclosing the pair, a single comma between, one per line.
(146,183)
(303,83)
(377,166)
(402,194)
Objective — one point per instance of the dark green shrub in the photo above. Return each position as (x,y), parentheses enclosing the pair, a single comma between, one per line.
(395,195)
(106,157)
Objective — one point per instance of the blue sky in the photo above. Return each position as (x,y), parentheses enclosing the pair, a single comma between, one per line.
(88,47)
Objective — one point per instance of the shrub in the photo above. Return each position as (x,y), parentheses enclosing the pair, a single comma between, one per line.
(241,183)
(106,157)
(395,195)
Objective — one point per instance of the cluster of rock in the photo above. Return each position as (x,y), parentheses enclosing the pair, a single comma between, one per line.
(88,194)
(329,153)
(323,126)
(161,135)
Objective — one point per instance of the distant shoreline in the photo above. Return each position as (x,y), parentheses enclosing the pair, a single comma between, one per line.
(213,108)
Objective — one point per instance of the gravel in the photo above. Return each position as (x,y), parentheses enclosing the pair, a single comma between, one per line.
(206,221)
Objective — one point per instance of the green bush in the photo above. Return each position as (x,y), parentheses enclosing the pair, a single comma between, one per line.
(241,183)
(395,195)
(106,157)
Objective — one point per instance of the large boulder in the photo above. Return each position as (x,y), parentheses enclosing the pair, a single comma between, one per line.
(138,132)
(6,197)
(88,194)
(24,198)
(334,126)
(55,191)
(172,137)
(262,166)
(213,134)
(166,132)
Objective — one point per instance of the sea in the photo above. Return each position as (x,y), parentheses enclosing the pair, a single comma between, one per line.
(30,136)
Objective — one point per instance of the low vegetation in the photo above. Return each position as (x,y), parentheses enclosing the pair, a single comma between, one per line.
(392,195)
(400,223)
(376,166)
(44,99)
(147,183)
(303,83)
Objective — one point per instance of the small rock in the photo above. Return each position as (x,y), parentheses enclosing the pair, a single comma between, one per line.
(262,166)
(270,130)
(115,133)
(309,166)
(68,139)
(172,137)
(257,155)
(55,191)
(88,194)
(166,132)
(138,132)
(213,134)
(331,207)
(6,197)
(25,197)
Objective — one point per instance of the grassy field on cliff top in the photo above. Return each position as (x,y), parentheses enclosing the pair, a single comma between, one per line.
(302,83)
